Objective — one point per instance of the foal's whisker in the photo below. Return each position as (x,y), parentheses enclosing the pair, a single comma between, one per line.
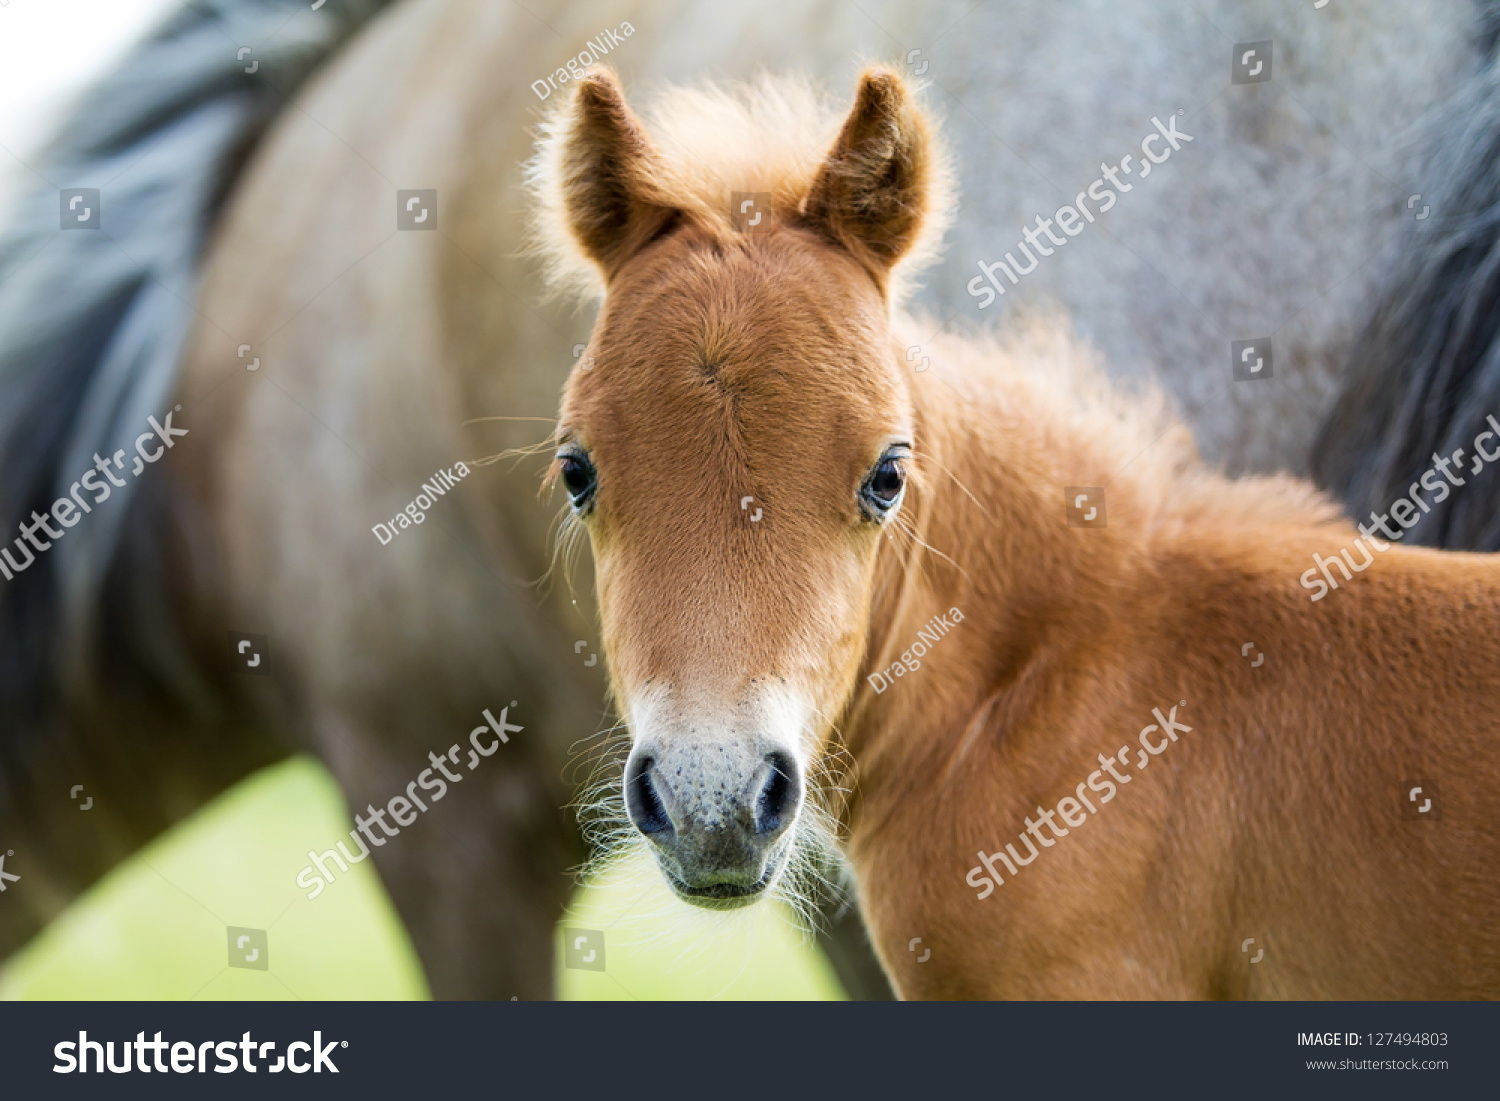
(565,536)
(477,420)
(748,954)
(602,770)
(540,448)
(904,526)
(598,759)
(597,734)
(928,457)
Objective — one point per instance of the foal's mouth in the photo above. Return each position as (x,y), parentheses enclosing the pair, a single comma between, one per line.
(725,896)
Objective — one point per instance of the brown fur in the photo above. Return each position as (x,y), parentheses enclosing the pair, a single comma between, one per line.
(770,365)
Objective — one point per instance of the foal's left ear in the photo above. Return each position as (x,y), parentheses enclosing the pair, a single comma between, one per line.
(872,193)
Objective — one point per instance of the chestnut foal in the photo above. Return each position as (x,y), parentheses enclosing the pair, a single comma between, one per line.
(1131,758)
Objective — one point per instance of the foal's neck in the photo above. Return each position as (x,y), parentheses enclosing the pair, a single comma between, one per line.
(1001,431)
(1004,429)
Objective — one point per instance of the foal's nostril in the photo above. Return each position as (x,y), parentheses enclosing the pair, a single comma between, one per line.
(779,795)
(641,800)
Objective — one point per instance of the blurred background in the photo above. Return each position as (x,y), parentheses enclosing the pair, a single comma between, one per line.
(154,927)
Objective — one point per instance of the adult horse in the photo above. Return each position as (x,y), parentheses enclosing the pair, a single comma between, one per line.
(374,347)
(922,596)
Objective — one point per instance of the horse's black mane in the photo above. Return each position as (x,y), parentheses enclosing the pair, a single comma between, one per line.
(1424,372)
(92,328)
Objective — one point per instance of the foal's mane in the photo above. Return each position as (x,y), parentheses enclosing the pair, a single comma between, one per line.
(771,134)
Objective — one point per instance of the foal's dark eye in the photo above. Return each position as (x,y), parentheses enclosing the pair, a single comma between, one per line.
(578,478)
(882,489)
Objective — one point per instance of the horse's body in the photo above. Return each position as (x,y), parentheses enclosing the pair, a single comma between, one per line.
(376,349)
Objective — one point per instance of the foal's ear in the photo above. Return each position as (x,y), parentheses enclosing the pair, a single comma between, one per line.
(873,190)
(610,200)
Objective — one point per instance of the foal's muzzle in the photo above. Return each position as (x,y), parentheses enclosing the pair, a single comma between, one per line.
(717,816)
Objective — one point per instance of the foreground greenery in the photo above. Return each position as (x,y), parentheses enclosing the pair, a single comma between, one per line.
(156,927)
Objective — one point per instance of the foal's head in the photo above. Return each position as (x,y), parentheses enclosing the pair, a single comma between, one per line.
(737,437)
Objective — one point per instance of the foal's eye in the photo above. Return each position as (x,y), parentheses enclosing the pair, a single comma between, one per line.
(578,478)
(882,489)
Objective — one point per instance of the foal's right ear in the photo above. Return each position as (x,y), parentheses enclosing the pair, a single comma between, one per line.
(611,201)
